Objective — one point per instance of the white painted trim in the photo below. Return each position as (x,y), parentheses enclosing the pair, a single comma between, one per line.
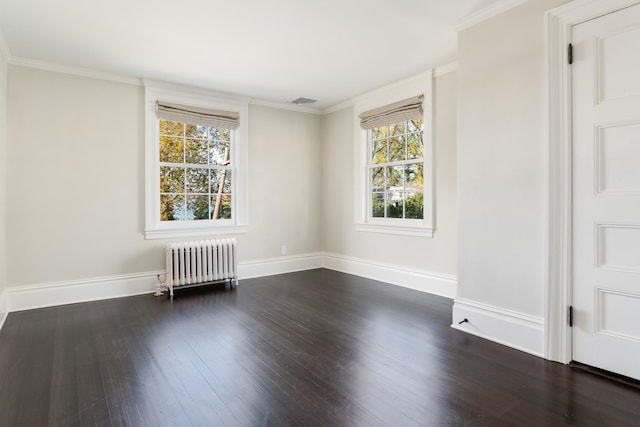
(3,318)
(341,106)
(397,230)
(486,13)
(445,69)
(73,70)
(408,85)
(558,289)
(421,280)
(3,308)
(286,106)
(93,289)
(179,233)
(437,72)
(279,265)
(74,291)
(511,328)
(198,92)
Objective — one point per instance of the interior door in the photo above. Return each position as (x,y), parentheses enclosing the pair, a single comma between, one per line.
(606,192)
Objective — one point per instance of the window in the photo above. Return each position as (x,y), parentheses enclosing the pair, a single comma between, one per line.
(396,170)
(196,163)
(394,162)
(195,172)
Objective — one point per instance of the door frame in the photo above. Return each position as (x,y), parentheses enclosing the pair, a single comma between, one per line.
(559,268)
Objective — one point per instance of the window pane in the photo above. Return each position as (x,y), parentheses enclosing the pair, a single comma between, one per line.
(395,205)
(377,205)
(379,133)
(214,180)
(379,154)
(219,153)
(171,128)
(197,181)
(171,179)
(394,178)
(415,146)
(171,207)
(414,206)
(197,207)
(196,151)
(377,179)
(397,129)
(414,177)
(397,148)
(226,188)
(171,149)
(415,125)
(193,131)
(223,135)
(221,207)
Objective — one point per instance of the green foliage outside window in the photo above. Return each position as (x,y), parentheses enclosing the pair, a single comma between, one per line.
(195,174)
(397,170)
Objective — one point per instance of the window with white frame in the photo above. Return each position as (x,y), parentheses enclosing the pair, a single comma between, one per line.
(394,170)
(196,164)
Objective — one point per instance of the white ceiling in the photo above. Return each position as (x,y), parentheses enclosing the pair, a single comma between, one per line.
(272,50)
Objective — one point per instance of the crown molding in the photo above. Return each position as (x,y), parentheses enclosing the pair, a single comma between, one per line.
(341,106)
(73,70)
(393,86)
(282,106)
(437,72)
(194,90)
(486,13)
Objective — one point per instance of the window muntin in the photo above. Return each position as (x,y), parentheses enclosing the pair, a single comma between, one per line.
(396,170)
(196,172)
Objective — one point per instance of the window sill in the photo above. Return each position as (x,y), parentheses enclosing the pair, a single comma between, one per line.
(395,229)
(177,233)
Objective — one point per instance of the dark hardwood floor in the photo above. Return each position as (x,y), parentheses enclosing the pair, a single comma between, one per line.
(314,348)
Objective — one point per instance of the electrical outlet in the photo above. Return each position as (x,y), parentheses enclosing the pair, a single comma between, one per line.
(283,249)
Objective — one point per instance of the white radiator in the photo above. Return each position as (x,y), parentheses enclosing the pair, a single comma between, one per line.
(201,261)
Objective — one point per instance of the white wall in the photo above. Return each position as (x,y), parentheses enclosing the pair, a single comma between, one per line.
(75,181)
(436,255)
(3,169)
(284,183)
(502,161)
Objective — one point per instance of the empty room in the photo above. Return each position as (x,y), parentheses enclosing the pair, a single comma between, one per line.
(337,213)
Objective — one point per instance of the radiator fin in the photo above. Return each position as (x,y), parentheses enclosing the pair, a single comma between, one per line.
(201,261)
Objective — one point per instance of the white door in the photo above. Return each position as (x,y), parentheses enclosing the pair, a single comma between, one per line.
(606,192)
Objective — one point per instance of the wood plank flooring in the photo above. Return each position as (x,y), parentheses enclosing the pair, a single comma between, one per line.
(313,348)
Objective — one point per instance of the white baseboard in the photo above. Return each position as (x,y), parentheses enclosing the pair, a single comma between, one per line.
(50,294)
(425,281)
(59,293)
(19,298)
(3,308)
(279,265)
(510,328)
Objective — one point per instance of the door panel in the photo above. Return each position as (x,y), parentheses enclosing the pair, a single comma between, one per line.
(606,192)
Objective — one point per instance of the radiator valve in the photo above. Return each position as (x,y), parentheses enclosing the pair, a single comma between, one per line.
(159,288)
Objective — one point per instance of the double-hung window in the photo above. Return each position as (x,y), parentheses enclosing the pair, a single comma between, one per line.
(393,149)
(196,164)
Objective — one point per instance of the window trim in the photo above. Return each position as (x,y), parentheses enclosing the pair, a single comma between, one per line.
(156,229)
(419,84)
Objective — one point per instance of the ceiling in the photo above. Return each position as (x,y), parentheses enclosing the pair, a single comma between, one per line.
(271,50)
